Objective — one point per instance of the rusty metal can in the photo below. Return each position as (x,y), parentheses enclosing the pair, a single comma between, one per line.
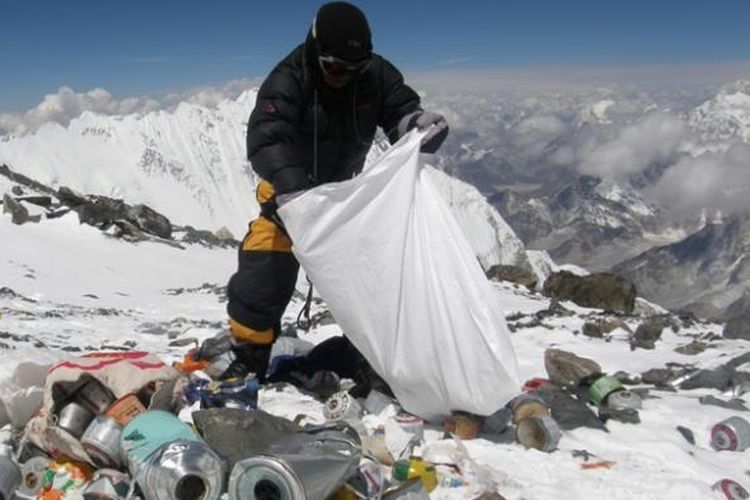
(462,425)
(125,409)
(541,433)
(730,490)
(528,405)
(731,434)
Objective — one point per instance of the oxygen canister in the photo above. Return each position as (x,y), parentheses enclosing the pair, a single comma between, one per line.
(32,475)
(415,467)
(731,434)
(342,406)
(147,432)
(730,490)
(624,400)
(603,387)
(298,466)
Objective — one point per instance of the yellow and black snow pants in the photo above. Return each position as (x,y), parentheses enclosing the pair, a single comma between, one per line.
(262,287)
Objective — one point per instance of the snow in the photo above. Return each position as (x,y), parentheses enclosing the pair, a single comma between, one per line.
(78,288)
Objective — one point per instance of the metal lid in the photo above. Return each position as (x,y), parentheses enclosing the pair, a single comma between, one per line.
(264,478)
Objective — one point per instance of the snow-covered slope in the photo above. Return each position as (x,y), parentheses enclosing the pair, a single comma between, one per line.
(102,293)
(188,163)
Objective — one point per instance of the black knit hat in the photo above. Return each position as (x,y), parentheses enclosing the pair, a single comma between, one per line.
(341,30)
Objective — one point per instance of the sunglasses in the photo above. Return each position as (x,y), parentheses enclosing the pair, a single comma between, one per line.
(339,67)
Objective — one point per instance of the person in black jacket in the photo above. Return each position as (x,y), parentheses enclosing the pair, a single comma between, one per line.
(314,120)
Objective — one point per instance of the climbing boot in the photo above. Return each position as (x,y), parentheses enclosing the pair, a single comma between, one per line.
(248,358)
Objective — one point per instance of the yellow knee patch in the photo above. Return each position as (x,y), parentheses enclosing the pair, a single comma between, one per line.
(243,333)
(264,235)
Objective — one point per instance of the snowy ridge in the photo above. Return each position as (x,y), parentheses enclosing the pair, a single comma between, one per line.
(726,116)
(188,163)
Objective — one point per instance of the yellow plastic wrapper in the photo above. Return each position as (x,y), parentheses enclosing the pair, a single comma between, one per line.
(64,479)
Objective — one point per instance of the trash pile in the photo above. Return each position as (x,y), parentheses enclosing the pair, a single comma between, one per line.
(126,425)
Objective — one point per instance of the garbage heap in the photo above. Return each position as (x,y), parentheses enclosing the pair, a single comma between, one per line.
(126,425)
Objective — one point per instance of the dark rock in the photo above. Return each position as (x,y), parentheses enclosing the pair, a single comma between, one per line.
(566,369)
(599,290)
(150,221)
(626,416)
(660,377)
(599,327)
(18,213)
(648,333)
(17,190)
(24,181)
(719,378)
(514,274)
(738,361)
(687,434)
(733,404)
(554,310)
(738,327)
(207,238)
(40,201)
(626,378)
(224,234)
(71,198)
(569,412)
(693,348)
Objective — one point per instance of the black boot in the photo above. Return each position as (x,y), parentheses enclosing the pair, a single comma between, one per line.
(248,358)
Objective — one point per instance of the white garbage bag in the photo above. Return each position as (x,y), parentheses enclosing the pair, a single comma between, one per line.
(396,271)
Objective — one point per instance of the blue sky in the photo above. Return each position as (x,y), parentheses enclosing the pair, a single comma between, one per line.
(137,47)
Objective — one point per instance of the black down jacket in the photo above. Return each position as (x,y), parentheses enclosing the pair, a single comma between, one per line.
(281,133)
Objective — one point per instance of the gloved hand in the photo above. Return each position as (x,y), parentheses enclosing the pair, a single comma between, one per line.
(434,123)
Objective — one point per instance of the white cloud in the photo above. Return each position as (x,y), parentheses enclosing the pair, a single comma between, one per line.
(655,139)
(66,104)
(713,181)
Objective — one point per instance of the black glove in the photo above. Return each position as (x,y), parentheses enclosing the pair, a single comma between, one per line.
(434,123)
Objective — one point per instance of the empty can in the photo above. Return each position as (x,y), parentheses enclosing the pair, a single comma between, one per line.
(102,442)
(182,470)
(541,433)
(730,490)
(94,396)
(462,426)
(732,434)
(74,418)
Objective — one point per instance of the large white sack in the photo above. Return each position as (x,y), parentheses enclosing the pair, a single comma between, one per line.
(386,254)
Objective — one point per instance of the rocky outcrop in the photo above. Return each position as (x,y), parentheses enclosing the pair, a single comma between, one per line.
(599,290)
(514,274)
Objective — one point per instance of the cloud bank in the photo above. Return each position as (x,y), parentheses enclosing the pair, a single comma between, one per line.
(66,104)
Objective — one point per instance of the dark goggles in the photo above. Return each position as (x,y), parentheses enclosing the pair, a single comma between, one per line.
(339,67)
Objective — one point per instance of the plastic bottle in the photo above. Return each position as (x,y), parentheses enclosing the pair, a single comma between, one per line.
(404,470)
